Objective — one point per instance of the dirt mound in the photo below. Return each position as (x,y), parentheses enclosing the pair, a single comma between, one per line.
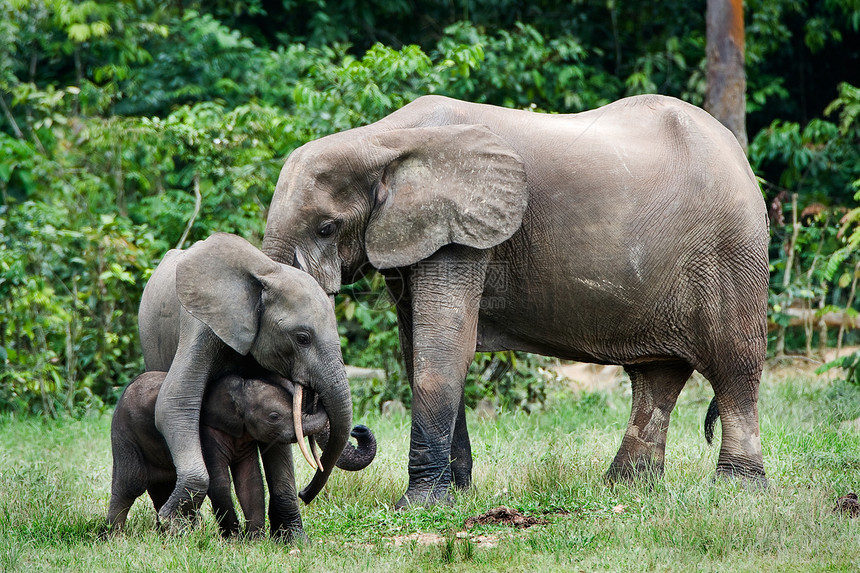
(504,516)
(848,504)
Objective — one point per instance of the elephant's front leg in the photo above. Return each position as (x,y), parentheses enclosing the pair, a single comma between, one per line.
(445,298)
(177,417)
(285,520)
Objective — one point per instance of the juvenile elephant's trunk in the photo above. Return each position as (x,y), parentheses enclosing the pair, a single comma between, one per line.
(356,458)
(335,397)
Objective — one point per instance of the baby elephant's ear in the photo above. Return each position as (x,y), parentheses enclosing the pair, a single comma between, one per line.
(218,282)
(224,405)
(452,184)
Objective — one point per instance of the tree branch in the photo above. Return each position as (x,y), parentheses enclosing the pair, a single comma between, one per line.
(198,199)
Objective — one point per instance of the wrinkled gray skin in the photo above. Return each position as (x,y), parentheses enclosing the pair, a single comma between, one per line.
(222,306)
(633,234)
(237,416)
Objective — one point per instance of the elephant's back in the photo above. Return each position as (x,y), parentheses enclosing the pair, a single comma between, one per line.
(648,171)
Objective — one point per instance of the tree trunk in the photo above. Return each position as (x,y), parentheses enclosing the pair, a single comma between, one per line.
(726,92)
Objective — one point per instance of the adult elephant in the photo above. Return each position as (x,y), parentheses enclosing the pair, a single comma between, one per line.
(221,307)
(632,234)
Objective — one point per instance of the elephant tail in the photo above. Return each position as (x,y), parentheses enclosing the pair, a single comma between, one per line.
(711,420)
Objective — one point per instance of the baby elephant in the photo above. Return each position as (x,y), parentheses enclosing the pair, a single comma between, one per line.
(237,416)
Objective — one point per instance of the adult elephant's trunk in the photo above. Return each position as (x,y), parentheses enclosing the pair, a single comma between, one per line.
(335,397)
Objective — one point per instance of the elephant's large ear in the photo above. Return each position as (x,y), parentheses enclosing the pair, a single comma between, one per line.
(451,184)
(218,282)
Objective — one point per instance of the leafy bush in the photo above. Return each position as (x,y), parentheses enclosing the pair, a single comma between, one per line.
(128,128)
(813,174)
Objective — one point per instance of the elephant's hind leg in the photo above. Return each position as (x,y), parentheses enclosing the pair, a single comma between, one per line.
(655,390)
(737,398)
(127,484)
(121,500)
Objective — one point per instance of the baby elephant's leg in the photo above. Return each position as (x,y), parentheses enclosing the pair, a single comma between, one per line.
(218,453)
(248,480)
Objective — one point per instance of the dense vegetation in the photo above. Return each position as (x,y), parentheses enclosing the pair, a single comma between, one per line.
(130,127)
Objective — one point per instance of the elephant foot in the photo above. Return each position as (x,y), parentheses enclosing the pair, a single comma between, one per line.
(424,497)
(181,511)
(291,536)
(636,461)
(254,532)
(749,478)
(640,471)
(178,525)
(462,476)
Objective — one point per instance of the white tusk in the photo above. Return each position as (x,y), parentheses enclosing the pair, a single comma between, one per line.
(315,453)
(297,422)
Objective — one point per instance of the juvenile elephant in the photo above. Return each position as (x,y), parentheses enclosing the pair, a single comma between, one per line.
(632,234)
(237,416)
(223,306)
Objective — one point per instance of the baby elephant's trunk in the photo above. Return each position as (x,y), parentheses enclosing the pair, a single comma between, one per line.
(353,458)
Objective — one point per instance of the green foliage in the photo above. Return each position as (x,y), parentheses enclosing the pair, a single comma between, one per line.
(819,160)
(198,59)
(370,338)
(841,259)
(816,170)
(67,337)
(515,381)
(520,68)
(341,91)
(127,128)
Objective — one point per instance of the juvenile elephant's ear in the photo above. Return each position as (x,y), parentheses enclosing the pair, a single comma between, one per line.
(451,184)
(224,405)
(218,282)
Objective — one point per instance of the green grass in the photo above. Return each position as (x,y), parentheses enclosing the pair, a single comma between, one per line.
(55,483)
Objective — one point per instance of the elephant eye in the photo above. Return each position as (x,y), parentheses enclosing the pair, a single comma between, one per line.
(274,417)
(303,338)
(327,229)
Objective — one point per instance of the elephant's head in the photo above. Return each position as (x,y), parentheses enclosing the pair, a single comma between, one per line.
(264,409)
(393,196)
(278,315)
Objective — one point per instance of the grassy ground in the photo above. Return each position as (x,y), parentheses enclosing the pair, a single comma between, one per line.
(55,482)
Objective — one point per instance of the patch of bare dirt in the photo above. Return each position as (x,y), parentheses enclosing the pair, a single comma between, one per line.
(418,538)
(504,516)
(436,539)
(497,516)
(791,365)
(848,504)
(590,377)
(593,377)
